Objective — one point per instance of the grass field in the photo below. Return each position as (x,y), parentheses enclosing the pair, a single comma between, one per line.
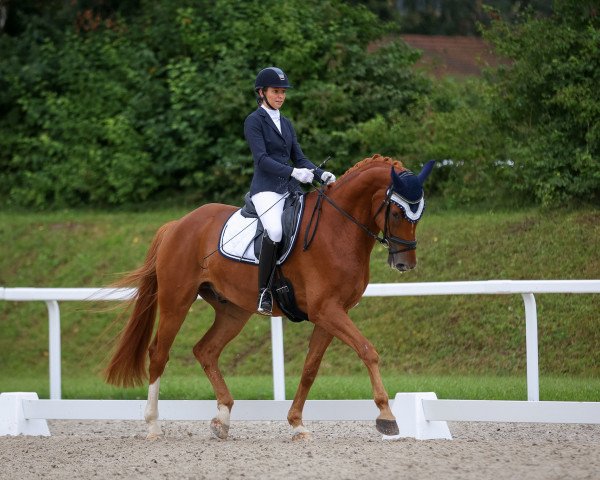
(196,387)
(458,346)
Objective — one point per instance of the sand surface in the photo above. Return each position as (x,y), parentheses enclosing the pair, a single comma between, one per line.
(338,450)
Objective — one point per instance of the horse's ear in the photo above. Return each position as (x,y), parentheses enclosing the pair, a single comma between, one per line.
(424,173)
(396,181)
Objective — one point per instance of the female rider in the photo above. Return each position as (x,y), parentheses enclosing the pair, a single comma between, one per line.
(279,164)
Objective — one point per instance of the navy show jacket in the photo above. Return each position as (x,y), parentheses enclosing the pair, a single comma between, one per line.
(275,154)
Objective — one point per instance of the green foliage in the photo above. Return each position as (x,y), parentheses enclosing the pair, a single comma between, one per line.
(456,17)
(547,101)
(452,125)
(377,88)
(146,101)
(72,133)
(154,103)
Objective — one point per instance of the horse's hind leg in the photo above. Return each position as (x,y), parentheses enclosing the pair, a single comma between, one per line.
(174,306)
(229,321)
(151,412)
(319,341)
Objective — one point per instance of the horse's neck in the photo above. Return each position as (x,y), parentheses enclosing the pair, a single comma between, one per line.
(355,196)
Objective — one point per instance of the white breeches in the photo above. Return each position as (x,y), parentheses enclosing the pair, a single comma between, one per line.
(269,206)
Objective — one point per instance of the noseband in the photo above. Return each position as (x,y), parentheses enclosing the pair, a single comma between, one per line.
(387,240)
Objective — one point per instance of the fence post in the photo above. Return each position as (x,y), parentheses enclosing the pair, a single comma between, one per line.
(12,416)
(531,342)
(54,355)
(278,367)
(410,415)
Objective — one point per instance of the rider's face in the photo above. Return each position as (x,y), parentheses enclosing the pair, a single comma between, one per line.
(275,96)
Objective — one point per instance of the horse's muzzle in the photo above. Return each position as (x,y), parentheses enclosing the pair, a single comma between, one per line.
(403,261)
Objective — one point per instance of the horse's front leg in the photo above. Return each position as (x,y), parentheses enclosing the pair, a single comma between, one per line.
(229,321)
(337,322)
(319,341)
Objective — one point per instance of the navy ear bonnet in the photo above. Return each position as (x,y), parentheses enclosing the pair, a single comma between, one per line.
(407,191)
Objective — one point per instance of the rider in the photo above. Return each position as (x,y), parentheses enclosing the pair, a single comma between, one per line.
(279,164)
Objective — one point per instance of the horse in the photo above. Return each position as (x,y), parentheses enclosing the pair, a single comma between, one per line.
(179,266)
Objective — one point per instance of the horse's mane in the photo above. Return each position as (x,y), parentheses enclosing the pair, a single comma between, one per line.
(375,160)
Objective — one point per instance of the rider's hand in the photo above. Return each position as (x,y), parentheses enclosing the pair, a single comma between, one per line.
(327,178)
(303,175)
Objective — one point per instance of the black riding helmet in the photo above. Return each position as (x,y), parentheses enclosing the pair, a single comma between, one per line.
(270,77)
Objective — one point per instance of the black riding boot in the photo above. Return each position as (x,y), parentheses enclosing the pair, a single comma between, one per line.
(266,265)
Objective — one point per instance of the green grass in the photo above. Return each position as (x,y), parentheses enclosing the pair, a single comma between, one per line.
(449,337)
(325,387)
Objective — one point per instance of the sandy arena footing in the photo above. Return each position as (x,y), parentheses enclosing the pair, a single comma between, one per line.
(338,450)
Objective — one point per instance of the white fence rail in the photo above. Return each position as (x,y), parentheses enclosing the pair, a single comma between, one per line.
(256,410)
(420,415)
(526,288)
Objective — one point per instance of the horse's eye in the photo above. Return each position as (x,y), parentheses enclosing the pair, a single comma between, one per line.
(396,215)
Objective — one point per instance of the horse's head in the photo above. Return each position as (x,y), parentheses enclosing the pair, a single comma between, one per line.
(404,206)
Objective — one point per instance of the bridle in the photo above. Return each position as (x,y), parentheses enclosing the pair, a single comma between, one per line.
(387,239)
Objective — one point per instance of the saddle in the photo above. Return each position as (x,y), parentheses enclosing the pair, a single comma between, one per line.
(241,236)
(241,239)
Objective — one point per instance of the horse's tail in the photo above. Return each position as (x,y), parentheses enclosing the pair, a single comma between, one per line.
(127,367)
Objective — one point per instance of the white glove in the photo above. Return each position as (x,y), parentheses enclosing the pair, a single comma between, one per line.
(327,178)
(303,175)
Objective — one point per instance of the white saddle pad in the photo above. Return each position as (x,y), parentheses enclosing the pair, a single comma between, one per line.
(239,234)
(237,238)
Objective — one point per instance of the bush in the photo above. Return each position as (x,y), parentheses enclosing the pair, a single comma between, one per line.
(149,101)
(547,101)
(72,125)
(150,104)
(453,126)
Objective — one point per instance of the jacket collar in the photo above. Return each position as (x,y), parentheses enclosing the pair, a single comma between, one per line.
(263,113)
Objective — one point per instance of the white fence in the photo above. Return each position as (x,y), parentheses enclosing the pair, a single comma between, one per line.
(430,410)
(526,288)
(419,415)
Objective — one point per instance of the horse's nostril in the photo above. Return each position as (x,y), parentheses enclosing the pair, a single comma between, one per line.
(404,267)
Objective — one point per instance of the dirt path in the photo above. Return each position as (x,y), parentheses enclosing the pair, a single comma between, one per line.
(339,450)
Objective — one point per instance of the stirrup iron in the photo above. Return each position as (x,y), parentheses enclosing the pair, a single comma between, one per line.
(265,302)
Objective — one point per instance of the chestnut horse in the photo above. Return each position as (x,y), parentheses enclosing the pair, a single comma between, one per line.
(329,279)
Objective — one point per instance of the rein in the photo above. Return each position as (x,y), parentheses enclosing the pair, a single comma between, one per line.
(386,239)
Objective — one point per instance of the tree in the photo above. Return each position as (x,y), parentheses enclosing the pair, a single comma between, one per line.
(547,100)
(460,17)
(154,103)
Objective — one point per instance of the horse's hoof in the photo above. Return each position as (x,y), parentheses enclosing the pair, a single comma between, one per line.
(219,429)
(387,427)
(154,431)
(302,437)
